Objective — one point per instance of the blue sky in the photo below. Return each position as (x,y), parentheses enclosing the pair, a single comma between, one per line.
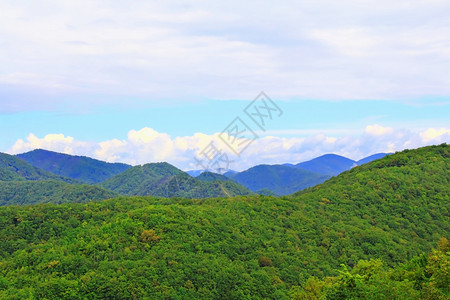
(156,81)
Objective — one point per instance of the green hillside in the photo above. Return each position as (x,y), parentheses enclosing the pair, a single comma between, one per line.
(134,181)
(22,183)
(13,168)
(374,220)
(279,179)
(49,191)
(164,180)
(209,176)
(83,169)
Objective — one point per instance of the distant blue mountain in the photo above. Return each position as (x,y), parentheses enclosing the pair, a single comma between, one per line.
(328,164)
(210,176)
(196,173)
(371,158)
(281,180)
(287,178)
(81,168)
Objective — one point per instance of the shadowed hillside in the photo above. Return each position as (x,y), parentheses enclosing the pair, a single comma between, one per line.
(81,168)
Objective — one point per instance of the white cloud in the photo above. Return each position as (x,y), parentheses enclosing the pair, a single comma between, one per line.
(378,130)
(54,142)
(433,134)
(173,50)
(147,145)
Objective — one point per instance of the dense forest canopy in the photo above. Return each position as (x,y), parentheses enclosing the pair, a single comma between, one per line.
(376,231)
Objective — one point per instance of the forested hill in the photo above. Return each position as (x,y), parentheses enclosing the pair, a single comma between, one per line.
(22,183)
(49,191)
(379,206)
(14,169)
(81,168)
(373,219)
(165,180)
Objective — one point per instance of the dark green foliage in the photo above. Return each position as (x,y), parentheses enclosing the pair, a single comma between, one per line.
(209,176)
(13,169)
(49,191)
(281,180)
(164,180)
(22,183)
(252,247)
(81,168)
(137,180)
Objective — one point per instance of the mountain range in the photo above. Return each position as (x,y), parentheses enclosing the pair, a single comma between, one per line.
(81,168)
(71,178)
(165,180)
(376,231)
(22,183)
(278,179)
(289,178)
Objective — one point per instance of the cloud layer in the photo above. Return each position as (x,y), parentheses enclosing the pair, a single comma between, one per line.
(59,51)
(147,145)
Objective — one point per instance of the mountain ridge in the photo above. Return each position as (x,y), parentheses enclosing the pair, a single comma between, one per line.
(165,180)
(281,180)
(82,168)
(13,168)
(357,227)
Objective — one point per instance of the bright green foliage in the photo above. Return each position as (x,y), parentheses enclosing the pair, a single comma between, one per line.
(49,191)
(251,247)
(424,277)
(381,206)
(164,180)
(83,169)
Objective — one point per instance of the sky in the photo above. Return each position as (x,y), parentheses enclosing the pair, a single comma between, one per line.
(148,81)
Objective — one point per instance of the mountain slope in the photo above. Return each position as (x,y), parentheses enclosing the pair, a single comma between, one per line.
(401,197)
(279,179)
(49,191)
(22,183)
(164,180)
(13,168)
(375,216)
(209,176)
(81,168)
(136,180)
(328,164)
(370,158)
